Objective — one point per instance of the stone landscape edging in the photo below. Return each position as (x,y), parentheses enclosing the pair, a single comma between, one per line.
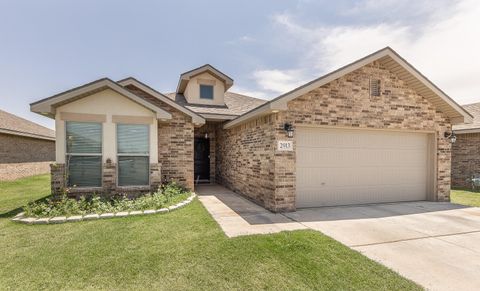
(21,218)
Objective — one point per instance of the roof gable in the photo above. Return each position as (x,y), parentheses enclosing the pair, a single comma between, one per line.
(48,105)
(393,62)
(196,119)
(185,77)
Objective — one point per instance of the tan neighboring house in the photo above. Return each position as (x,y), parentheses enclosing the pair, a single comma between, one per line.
(26,148)
(466,150)
(373,131)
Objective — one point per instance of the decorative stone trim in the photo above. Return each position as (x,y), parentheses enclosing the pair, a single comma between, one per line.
(62,219)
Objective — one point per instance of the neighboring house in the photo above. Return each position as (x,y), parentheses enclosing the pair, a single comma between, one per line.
(372,131)
(466,150)
(26,148)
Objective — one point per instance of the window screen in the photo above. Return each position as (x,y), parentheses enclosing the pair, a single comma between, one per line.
(206,91)
(133,154)
(84,154)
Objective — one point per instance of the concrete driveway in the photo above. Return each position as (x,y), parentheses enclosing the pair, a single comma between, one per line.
(434,244)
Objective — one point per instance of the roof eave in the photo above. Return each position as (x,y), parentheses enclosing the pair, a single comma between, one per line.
(26,134)
(196,119)
(47,106)
(280,103)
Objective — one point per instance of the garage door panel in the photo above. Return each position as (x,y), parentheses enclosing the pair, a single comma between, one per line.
(360,176)
(358,139)
(346,157)
(334,195)
(341,167)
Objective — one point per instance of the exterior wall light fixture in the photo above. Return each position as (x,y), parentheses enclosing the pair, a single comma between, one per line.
(289,129)
(452,138)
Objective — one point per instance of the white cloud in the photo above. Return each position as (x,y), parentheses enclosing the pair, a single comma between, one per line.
(279,81)
(443,47)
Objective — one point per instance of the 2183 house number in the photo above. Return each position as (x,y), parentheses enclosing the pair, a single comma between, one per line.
(285,145)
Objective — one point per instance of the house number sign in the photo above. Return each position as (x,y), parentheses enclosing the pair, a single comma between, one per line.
(285,145)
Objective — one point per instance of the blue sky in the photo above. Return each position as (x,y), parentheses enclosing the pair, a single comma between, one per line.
(267,47)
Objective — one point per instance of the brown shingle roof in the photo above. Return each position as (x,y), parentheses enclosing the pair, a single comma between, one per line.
(16,125)
(235,104)
(473,109)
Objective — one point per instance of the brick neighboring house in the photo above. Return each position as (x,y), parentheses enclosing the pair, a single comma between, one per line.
(372,131)
(26,148)
(466,150)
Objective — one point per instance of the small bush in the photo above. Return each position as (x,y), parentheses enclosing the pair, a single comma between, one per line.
(167,195)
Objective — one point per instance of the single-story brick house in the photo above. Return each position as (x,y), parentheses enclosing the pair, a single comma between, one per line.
(466,150)
(26,148)
(373,131)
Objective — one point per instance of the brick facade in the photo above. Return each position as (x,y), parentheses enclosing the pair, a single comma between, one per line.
(247,159)
(175,143)
(24,156)
(465,159)
(20,149)
(13,171)
(246,162)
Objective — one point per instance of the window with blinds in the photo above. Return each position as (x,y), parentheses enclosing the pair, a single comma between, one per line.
(133,149)
(84,154)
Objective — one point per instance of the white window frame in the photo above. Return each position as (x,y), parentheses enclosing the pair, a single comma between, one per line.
(68,155)
(132,155)
(200,91)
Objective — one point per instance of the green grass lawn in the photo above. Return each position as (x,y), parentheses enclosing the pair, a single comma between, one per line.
(184,249)
(465,197)
(15,194)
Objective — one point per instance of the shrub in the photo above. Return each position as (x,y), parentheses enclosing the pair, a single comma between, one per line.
(167,195)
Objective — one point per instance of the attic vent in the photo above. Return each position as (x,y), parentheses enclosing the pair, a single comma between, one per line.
(374,87)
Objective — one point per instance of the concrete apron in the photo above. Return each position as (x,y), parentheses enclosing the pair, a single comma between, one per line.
(436,245)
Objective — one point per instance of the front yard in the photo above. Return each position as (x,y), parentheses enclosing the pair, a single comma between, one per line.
(184,249)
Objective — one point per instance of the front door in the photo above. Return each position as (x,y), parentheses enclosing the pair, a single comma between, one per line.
(202,159)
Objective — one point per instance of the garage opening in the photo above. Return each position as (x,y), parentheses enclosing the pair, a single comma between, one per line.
(355,166)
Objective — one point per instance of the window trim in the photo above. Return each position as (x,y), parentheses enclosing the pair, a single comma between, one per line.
(200,91)
(132,155)
(67,154)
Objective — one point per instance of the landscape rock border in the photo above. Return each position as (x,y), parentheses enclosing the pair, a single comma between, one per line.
(21,218)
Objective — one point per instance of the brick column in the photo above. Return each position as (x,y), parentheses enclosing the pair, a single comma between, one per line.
(109,177)
(57,174)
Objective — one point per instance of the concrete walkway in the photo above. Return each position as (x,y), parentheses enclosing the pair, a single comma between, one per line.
(434,244)
(239,216)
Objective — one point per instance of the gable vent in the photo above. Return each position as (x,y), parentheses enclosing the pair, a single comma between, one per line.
(374,87)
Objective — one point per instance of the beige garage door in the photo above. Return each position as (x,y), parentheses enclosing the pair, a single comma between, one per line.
(342,167)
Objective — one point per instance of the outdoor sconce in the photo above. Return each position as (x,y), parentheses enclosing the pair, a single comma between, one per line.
(289,129)
(452,138)
(206,135)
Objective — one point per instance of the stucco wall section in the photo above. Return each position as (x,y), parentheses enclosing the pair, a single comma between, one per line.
(108,103)
(192,91)
(465,159)
(175,143)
